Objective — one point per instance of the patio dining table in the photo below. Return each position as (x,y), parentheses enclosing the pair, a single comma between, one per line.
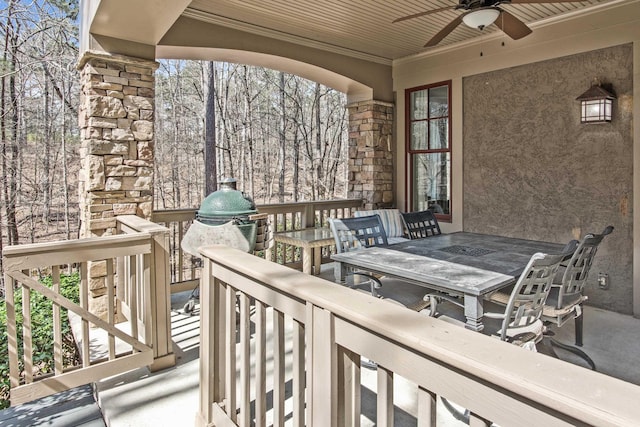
(468,264)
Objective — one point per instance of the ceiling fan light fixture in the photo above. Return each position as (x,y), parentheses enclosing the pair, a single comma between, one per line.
(481,18)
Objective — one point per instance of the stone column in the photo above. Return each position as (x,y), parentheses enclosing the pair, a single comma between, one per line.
(116,118)
(370,153)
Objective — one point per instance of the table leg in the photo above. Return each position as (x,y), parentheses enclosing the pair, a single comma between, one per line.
(317,260)
(307,260)
(340,272)
(473,312)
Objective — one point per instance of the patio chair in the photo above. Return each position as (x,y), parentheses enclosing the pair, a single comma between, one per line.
(421,224)
(566,297)
(391,222)
(519,322)
(354,233)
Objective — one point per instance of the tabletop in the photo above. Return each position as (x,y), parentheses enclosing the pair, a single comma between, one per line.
(470,264)
(306,236)
(311,240)
(462,262)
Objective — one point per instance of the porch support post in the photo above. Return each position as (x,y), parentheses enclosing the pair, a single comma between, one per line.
(116,118)
(371,153)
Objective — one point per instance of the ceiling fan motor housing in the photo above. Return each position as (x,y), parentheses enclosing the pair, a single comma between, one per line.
(475,4)
(480,14)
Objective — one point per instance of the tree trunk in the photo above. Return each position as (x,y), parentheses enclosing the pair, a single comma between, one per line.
(10,135)
(210,171)
(65,180)
(318,146)
(46,161)
(283,140)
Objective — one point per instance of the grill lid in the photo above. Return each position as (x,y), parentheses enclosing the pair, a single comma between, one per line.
(226,203)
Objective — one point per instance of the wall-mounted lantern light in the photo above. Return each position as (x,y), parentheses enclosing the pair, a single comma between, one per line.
(596,104)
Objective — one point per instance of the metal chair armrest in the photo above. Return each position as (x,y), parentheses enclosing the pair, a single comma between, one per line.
(492,315)
(375,282)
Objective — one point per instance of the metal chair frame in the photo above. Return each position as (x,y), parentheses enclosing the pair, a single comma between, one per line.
(421,224)
(354,233)
(567,294)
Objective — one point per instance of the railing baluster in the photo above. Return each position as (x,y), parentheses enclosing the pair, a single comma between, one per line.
(84,303)
(426,408)
(110,308)
(245,362)
(192,265)
(133,296)
(147,307)
(349,386)
(278,368)
(27,341)
(180,226)
(121,283)
(230,374)
(385,397)
(12,331)
(477,421)
(57,323)
(261,361)
(298,374)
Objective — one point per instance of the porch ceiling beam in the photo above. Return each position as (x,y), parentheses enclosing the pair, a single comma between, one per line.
(140,21)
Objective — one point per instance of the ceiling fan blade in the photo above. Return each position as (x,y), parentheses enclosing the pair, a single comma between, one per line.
(512,26)
(444,32)
(428,12)
(539,1)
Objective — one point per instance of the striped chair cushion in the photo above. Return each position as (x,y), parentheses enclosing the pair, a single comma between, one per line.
(391,221)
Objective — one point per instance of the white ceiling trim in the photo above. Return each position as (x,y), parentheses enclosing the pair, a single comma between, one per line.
(278,35)
(497,35)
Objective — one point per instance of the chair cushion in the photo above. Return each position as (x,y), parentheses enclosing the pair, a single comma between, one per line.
(391,221)
(521,335)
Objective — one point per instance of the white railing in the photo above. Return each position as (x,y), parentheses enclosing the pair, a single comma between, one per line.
(153,310)
(184,269)
(135,327)
(318,333)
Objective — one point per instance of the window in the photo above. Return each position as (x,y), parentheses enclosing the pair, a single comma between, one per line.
(428,133)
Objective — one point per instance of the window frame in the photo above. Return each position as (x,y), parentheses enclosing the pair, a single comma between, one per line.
(410,152)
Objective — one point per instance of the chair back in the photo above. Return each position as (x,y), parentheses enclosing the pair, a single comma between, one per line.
(530,293)
(577,270)
(421,224)
(353,233)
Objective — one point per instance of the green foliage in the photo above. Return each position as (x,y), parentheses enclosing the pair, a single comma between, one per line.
(42,332)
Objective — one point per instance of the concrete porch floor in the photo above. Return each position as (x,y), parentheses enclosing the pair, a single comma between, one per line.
(170,397)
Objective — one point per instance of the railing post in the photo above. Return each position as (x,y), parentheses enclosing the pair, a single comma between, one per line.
(212,346)
(308,216)
(163,356)
(159,289)
(322,361)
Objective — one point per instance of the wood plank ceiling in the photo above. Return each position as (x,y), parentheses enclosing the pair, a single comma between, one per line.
(364,27)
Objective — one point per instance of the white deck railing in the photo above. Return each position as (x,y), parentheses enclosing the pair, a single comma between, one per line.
(184,269)
(318,331)
(135,264)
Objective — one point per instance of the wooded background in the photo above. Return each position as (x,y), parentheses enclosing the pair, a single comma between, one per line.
(282,137)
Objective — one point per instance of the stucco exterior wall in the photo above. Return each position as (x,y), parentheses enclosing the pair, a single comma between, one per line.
(532,170)
(580,35)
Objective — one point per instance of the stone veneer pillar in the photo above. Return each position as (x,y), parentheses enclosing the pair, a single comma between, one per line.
(370,153)
(116,118)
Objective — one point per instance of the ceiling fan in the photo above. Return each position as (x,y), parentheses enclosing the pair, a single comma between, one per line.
(480,14)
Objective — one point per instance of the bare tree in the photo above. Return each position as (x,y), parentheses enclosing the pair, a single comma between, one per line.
(9,121)
(210,171)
